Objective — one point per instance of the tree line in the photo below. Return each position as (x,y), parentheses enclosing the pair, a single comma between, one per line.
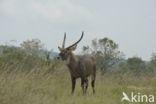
(109,57)
(32,53)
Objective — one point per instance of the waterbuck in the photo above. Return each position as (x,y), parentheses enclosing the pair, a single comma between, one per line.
(80,66)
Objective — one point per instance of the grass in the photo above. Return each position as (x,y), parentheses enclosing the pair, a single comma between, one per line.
(36,87)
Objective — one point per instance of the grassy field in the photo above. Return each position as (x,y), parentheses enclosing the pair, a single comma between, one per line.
(42,87)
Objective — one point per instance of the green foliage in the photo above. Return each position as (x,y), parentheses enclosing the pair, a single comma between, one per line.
(153,59)
(32,47)
(108,58)
(10,57)
(85,49)
(136,64)
(16,59)
(106,52)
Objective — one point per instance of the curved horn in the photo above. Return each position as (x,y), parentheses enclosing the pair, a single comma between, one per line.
(63,44)
(76,42)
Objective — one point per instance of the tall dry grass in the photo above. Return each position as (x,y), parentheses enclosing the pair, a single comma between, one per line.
(51,85)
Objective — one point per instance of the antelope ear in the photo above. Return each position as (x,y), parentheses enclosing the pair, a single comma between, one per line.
(73,48)
(60,48)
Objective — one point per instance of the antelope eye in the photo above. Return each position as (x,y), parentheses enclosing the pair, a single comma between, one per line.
(62,54)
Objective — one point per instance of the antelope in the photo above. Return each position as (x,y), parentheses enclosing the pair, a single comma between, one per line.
(80,66)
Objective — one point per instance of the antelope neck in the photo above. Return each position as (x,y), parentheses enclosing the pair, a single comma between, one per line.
(72,58)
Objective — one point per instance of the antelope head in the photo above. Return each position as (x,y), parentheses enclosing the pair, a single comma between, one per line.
(66,52)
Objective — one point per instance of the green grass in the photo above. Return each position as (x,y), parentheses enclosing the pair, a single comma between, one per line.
(54,88)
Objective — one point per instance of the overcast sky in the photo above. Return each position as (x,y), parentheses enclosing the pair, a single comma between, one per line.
(130,23)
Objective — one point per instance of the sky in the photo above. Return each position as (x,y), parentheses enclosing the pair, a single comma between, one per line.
(130,23)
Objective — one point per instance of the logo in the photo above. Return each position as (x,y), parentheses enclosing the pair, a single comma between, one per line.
(137,97)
